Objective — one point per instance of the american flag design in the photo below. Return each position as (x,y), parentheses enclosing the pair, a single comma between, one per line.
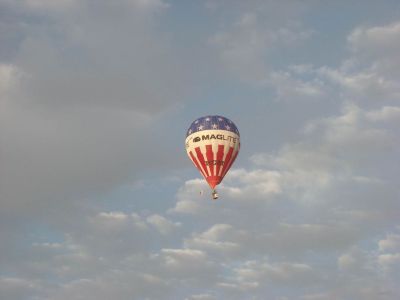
(212,144)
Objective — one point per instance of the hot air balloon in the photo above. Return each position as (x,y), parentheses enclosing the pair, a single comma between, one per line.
(212,144)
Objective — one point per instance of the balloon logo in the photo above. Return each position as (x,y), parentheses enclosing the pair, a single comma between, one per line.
(212,144)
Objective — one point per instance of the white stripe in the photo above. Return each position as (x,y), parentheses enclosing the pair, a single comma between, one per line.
(212,137)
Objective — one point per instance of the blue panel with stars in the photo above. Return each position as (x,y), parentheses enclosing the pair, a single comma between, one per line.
(212,123)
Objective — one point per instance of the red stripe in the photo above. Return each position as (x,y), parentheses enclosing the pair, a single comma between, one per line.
(200,157)
(197,163)
(226,162)
(230,164)
(220,157)
(210,158)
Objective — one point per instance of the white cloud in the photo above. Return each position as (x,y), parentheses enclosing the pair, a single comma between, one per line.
(111,235)
(386,114)
(163,225)
(388,261)
(390,243)
(192,198)
(291,88)
(371,73)
(153,4)
(221,239)
(201,297)
(245,46)
(281,240)
(191,265)
(176,258)
(9,77)
(114,215)
(363,85)
(379,40)
(254,271)
(355,262)
(330,178)
(295,239)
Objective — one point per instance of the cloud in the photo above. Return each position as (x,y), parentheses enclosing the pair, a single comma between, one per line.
(70,153)
(81,93)
(191,267)
(389,260)
(86,90)
(18,288)
(379,41)
(114,235)
(345,146)
(356,261)
(163,225)
(9,76)
(335,193)
(201,297)
(221,240)
(276,273)
(371,72)
(368,75)
(245,46)
(366,85)
(387,113)
(119,284)
(390,243)
(290,87)
(44,5)
(88,78)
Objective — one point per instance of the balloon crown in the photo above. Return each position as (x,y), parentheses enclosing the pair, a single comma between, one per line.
(212,123)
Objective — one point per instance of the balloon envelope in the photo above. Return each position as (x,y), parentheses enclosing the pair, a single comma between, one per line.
(213,143)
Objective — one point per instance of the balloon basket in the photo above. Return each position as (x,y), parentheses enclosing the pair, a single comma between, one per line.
(214,195)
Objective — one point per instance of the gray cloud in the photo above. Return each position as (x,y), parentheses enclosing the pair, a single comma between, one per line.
(79,97)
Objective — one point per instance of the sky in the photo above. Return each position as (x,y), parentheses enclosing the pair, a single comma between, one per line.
(98,199)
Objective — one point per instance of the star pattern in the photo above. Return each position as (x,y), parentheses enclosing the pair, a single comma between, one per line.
(212,123)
